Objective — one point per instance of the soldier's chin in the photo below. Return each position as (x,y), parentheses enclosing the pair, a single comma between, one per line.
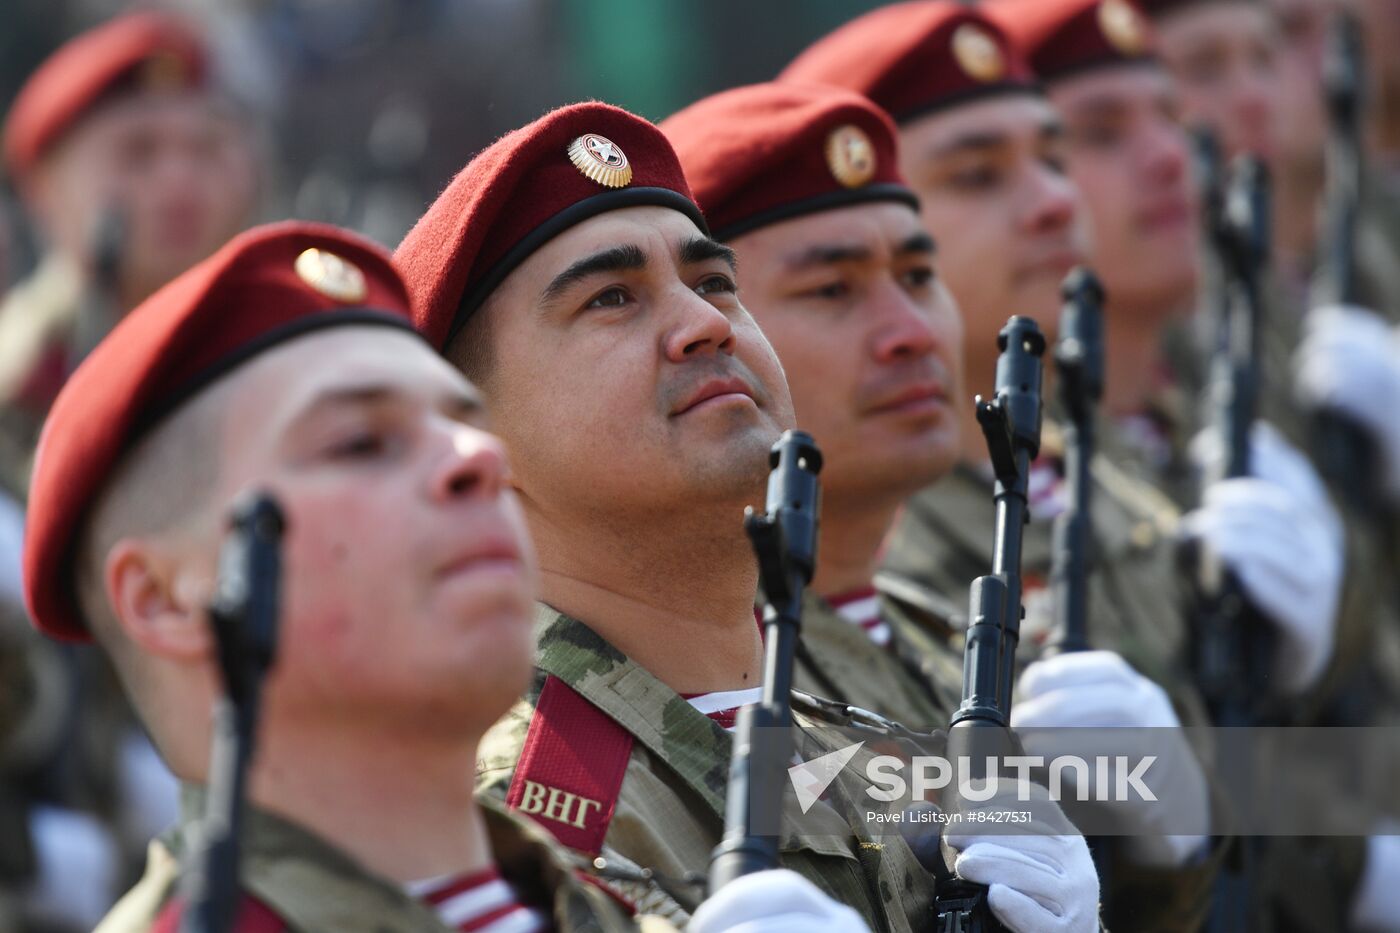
(1038,298)
(501,606)
(744,470)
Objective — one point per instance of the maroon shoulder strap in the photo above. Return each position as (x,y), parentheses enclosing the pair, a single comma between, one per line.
(253,917)
(571,767)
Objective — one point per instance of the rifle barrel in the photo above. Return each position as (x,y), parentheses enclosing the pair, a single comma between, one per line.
(785,542)
(244,616)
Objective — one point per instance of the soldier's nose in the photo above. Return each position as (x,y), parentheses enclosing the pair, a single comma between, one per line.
(476,465)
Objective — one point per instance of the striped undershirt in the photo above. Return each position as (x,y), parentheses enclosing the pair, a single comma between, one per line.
(482,902)
(723,705)
(1046,491)
(862,607)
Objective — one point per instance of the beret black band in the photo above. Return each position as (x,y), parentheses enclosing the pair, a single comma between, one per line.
(297,327)
(570,216)
(968,96)
(830,200)
(1108,60)
(1161,9)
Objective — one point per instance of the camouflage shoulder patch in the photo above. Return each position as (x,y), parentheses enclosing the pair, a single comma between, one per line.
(934,609)
(570,649)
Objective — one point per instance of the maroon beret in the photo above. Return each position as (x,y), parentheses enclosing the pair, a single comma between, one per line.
(1064,37)
(522,191)
(764,153)
(266,286)
(139,51)
(913,58)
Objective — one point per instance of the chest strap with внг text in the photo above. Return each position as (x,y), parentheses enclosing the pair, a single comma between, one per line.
(571,768)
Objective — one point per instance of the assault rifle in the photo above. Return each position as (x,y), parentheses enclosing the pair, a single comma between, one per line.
(244,616)
(1011,424)
(785,541)
(1232,651)
(1347,455)
(1079,365)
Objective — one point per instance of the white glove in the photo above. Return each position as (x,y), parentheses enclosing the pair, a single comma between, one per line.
(778,901)
(1376,907)
(1044,883)
(1273,458)
(1288,561)
(1090,692)
(1349,361)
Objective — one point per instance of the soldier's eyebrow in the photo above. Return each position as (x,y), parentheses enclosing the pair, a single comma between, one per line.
(827,254)
(615,259)
(458,403)
(832,254)
(1052,129)
(1102,107)
(703,249)
(917,244)
(970,142)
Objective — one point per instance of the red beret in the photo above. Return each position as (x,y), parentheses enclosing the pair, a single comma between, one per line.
(522,191)
(266,286)
(912,58)
(1064,37)
(764,153)
(139,50)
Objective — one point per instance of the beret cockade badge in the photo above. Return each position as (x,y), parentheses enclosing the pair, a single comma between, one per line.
(601,160)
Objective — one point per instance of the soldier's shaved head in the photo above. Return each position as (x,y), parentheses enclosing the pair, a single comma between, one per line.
(160,490)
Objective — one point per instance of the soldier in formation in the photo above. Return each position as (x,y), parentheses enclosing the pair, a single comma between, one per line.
(515,648)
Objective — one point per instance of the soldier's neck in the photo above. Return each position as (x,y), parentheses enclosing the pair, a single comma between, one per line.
(678,601)
(1386,126)
(399,800)
(979,378)
(1132,361)
(853,533)
(1296,192)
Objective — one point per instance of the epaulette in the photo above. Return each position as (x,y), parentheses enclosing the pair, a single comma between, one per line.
(571,768)
(1150,502)
(935,611)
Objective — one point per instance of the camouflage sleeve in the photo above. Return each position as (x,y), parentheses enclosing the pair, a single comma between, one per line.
(1155,900)
(1311,881)
(1358,686)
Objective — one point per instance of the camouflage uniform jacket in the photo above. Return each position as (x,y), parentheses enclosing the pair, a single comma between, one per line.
(667,811)
(1362,682)
(310,885)
(837,660)
(944,541)
(37,321)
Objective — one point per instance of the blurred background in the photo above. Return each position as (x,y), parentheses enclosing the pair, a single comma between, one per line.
(367,107)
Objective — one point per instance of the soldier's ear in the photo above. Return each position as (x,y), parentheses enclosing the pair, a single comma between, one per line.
(158,597)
